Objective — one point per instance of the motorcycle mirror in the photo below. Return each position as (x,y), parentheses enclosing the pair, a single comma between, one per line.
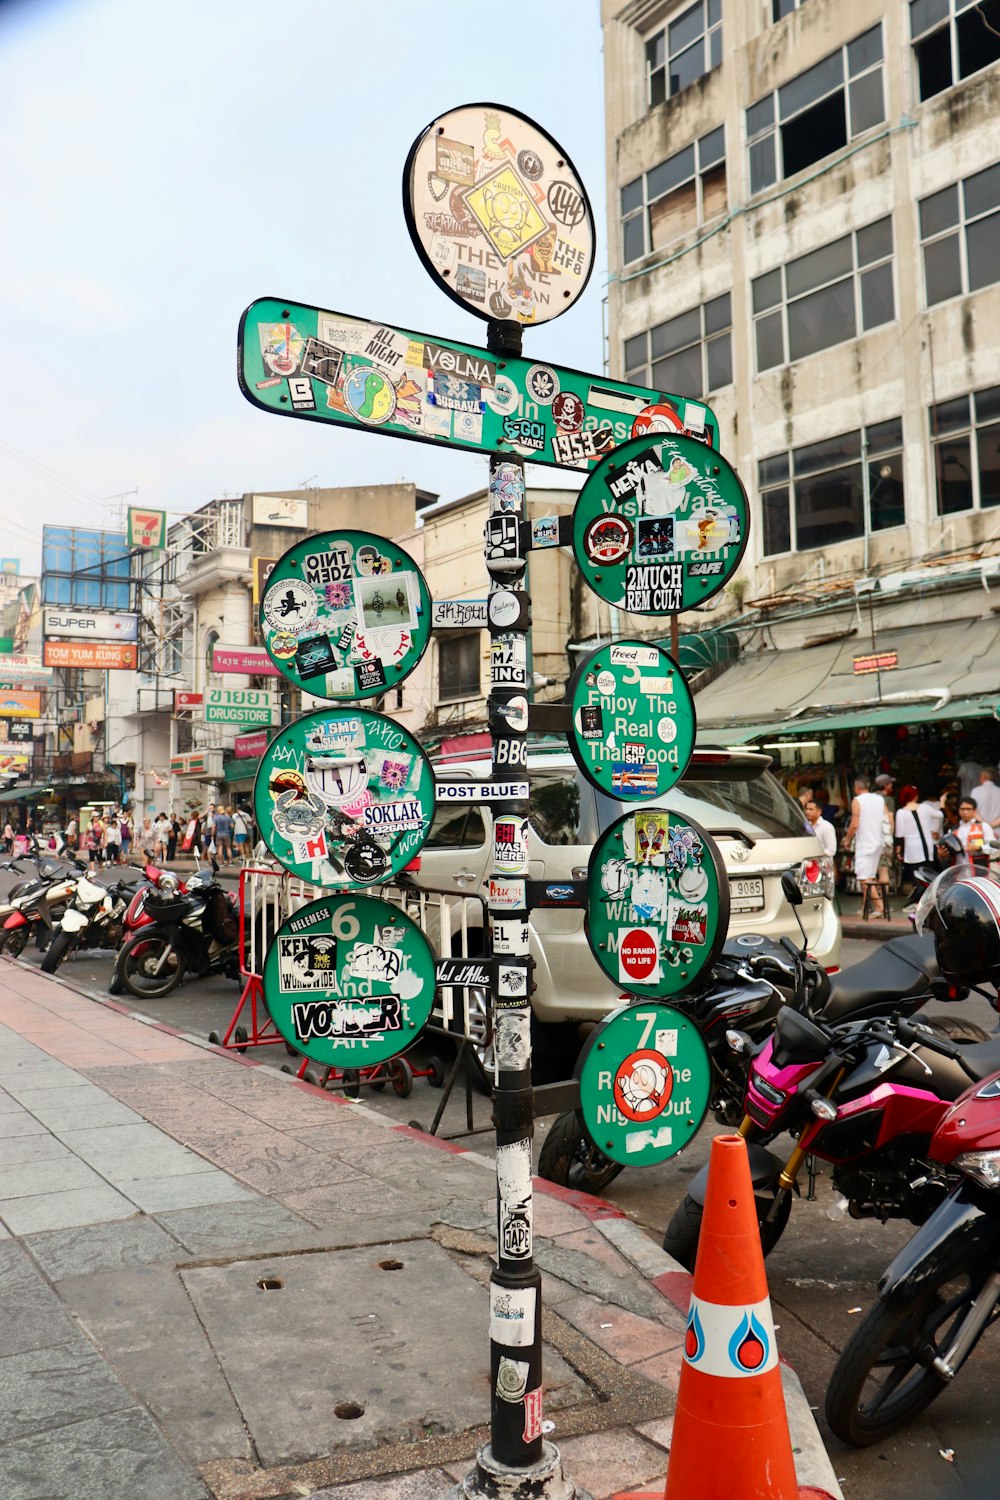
(790,889)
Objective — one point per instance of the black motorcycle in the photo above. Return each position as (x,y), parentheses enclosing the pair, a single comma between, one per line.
(195,933)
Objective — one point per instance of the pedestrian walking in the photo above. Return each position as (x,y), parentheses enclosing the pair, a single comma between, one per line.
(160,838)
(71,833)
(113,841)
(173,834)
(871,832)
(241,832)
(917,831)
(8,837)
(975,835)
(986,796)
(223,832)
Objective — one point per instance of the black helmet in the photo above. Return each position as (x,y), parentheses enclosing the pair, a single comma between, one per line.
(962,910)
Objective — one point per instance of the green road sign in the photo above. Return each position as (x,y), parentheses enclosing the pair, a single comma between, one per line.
(332,367)
(660,525)
(345,614)
(344,798)
(498,215)
(349,981)
(633,720)
(657,902)
(645,1080)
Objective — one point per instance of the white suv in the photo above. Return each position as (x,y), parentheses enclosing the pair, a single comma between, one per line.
(759,830)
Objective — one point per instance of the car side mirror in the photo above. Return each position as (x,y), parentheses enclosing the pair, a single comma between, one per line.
(790,889)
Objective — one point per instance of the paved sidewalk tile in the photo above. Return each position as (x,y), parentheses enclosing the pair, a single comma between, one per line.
(115,1457)
(626,1337)
(43,1389)
(40,1147)
(115,1245)
(91,1205)
(225,1226)
(193,1190)
(31,1315)
(126,1153)
(13,1126)
(32,1179)
(605,1462)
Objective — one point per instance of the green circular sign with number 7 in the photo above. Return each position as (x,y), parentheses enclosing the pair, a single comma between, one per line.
(349,981)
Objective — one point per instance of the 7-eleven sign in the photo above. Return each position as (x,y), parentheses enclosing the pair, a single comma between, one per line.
(147,529)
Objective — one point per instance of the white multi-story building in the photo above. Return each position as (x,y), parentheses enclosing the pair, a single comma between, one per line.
(804,205)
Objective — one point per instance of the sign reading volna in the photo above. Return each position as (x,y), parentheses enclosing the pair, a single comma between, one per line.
(89,625)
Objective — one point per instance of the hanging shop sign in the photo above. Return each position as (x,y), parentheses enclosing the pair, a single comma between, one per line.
(645,1081)
(263,567)
(186,701)
(197,763)
(251,661)
(301,361)
(247,745)
(633,720)
(90,625)
(498,214)
(346,614)
(17,731)
(23,671)
(241,706)
(291,512)
(106,656)
(344,798)
(660,526)
(13,763)
(877,661)
(147,529)
(657,902)
(17,704)
(349,981)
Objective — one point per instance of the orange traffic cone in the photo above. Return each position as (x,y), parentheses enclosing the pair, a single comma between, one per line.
(730,1434)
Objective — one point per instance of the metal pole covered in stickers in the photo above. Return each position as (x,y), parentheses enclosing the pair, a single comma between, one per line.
(512,186)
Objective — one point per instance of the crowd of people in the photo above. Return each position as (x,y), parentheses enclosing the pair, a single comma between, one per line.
(219,832)
(911,829)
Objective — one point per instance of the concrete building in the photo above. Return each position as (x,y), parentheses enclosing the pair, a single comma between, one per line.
(804,229)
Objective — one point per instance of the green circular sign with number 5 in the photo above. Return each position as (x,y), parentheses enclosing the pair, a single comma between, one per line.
(645,1080)
(349,981)
(657,902)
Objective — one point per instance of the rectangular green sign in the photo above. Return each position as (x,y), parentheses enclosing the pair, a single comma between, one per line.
(332,367)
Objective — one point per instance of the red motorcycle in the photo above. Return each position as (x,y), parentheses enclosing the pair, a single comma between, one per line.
(938,1296)
(136,915)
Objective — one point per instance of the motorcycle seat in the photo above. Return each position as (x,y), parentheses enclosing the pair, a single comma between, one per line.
(981,1058)
(902,969)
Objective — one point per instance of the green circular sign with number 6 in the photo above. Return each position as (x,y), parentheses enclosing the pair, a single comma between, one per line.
(657,902)
(349,981)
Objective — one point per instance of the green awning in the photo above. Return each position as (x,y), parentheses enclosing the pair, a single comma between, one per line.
(18,792)
(242,770)
(866,718)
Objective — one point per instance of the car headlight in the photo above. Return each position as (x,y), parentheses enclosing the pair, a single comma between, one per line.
(815,876)
(982,1166)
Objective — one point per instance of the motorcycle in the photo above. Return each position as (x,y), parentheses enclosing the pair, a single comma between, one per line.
(751,984)
(862,1096)
(197,931)
(939,1295)
(94,918)
(137,915)
(38,904)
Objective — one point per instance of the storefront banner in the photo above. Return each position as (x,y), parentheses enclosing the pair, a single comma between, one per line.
(90,625)
(106,656)
(251,660)
(20,705)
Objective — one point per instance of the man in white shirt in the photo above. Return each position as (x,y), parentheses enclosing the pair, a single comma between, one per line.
(986,796)
(823,830)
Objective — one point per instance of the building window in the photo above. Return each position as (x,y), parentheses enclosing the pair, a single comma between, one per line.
(833,491)
(824,297)
(968,210)
(816,113)
(782,8)
(965,437)
(953,39)
(458,667)
(689,355)
(676,195)
(684,50)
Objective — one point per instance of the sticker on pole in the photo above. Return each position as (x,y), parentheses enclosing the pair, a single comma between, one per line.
(349,982)
(645,1082)
(657,902)
(500,218)
(660,525)
(633,720)
(344,798)
(346,614)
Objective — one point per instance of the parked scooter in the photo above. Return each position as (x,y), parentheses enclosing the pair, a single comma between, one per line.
(39,903)
(137,915)
(750,985)
(196,932)
(94,918)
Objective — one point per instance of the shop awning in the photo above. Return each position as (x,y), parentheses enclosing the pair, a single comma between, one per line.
(239,771)
(18,792)
(946,671)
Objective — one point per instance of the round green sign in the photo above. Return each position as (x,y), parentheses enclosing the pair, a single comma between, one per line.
(633,720)
(645,1082)
(657,902)
(344,797)
(345,614)
(349,981)
(660,525)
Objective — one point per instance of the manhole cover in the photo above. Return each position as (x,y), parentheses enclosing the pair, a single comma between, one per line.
(349,1356)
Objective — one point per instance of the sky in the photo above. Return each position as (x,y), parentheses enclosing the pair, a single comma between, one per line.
(162,166)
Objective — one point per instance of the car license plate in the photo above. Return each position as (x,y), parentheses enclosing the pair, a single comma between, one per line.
(746,895)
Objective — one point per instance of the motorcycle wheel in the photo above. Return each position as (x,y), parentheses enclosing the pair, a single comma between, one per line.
(61,945)
(116,985)
(956,1029)
(17,941)
(681,1236)
(138,958)
(570,1158)
(883,1378)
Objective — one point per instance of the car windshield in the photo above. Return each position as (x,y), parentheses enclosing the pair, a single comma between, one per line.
(761,808)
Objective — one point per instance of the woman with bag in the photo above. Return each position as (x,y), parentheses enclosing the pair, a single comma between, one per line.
(918,828)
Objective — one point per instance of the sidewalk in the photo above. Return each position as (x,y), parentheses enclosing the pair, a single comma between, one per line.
(220,1282)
